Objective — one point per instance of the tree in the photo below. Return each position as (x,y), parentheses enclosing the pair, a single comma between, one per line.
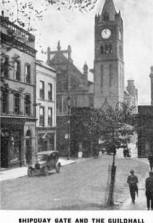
(112,126)
(23,13)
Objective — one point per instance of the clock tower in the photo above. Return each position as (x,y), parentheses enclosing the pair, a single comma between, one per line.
(109,58)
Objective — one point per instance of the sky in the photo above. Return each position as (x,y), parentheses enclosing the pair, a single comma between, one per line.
(75,28)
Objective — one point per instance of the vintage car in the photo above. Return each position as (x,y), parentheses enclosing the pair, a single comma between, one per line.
(45,162)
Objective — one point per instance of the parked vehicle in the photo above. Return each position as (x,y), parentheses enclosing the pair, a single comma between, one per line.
(46,161)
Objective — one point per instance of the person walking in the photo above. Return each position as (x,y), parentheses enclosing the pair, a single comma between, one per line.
(149,191)
(150,159)
(132,181)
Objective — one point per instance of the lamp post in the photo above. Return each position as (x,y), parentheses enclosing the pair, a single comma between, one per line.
(68,123)
(110,201)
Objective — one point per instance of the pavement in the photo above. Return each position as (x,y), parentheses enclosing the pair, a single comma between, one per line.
(140,203)
(10,174)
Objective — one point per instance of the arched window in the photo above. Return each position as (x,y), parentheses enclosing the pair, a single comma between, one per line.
(5,66)
(102,49)
(17,70)
(27,73)
(5,101)
(28,134)
(27,104)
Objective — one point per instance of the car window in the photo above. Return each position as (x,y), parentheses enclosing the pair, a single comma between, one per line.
(42,157)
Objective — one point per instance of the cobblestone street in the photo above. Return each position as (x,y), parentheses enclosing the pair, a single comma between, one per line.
(79,186)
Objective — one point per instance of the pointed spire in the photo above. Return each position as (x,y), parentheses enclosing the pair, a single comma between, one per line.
(109,11)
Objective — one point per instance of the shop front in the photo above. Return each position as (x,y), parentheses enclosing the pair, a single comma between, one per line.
(16,143)
(46,139)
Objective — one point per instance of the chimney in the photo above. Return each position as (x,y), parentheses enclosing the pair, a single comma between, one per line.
(48,54)
(69,51)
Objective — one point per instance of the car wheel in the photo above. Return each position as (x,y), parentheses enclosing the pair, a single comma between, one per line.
(45,171)
(58,168)
(30,172)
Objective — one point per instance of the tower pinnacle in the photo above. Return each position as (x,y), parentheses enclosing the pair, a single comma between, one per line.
(108,11)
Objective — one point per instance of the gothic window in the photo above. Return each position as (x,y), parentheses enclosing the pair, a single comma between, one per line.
(108,49)
(17,70)
(102,49)
(4,101)
(17,103)
(4,66)
(50,116)
(27,73)
(102,76)
(106,16)
(41,90)
(110,75)
(50,92)
(27,104)
(41,116)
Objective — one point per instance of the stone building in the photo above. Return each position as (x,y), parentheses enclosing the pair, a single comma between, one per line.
(46,107)
(131,96)
(18,83)
(73,90)
(145,126)
(109,57)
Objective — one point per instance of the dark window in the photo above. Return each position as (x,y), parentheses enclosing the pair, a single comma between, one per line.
(108,49)
(4,102)
(5,66)
(17,70)
(50,116)
(27,73)
(16,103)
(42,90)
(49,91)
(102,49)
(27,104)
(41,116)
(106,17)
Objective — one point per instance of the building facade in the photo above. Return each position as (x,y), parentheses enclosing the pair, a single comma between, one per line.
(145,131)
(17,94)
(109,57)
(145,126)
(73,90)
(46,107)
(131,96)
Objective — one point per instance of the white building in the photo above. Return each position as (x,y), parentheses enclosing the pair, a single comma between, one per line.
(45,107)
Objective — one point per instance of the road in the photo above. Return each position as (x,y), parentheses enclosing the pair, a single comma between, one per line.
(79,186)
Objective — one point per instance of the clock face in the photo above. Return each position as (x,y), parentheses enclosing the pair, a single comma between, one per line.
(106,33)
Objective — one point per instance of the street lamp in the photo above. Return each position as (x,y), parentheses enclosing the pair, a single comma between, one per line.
(110,201)
(68,124)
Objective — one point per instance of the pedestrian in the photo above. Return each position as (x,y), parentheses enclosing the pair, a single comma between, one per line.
(149,191)
(132,180)
(150,159)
